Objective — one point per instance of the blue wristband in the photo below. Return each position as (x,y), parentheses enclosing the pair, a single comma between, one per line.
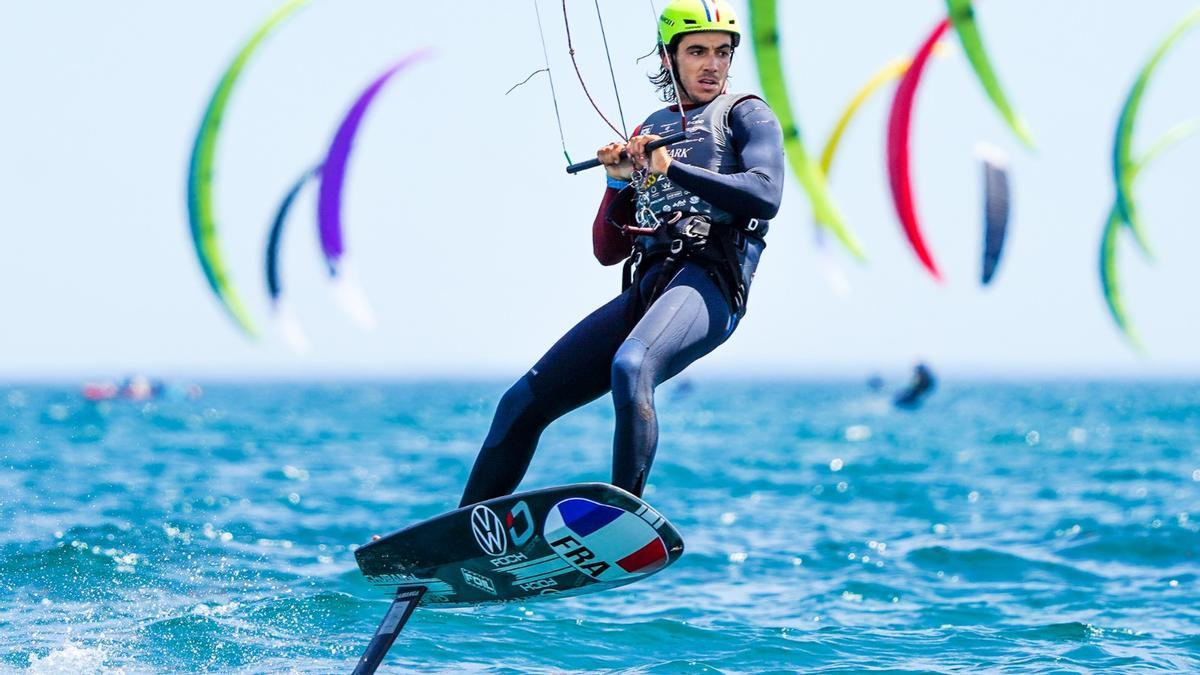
(617,183)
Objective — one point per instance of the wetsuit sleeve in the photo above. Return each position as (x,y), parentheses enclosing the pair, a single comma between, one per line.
(609,244)
(757,191)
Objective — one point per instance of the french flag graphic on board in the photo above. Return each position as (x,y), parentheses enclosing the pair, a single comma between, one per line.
(604,542)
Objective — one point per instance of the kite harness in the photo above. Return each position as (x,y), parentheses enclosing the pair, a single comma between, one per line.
(670,224)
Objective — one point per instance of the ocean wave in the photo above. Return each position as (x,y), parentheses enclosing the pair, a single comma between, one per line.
(989,565)
(1154,544)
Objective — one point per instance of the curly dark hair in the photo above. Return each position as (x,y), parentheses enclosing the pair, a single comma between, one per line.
(663,80)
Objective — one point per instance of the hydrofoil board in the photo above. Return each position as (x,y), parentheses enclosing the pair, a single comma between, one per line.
(555,542)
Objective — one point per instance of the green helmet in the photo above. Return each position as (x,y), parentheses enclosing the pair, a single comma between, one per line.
(692,16)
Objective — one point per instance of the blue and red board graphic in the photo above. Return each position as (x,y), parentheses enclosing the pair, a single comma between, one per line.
(604,542)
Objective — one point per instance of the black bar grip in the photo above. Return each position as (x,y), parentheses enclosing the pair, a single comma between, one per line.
(653,145)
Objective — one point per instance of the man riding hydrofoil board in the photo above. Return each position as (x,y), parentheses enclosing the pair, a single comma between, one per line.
(688,220)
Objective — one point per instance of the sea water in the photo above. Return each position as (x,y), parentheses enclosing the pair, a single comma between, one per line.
(1003,526)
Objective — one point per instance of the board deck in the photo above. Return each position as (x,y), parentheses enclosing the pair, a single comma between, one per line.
(555,542)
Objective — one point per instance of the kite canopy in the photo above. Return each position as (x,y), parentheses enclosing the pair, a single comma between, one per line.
(833,272)
(329,198)
(996,206)
(835,276)
(286,323)
(1109,277)
(1123,163)
(201,209)
(333,173)
(899,129)
(763,18)
(275,238)
(962,14)
(889,72)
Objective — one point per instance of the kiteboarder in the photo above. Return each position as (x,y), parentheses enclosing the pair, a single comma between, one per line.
(919,386)
(688,221)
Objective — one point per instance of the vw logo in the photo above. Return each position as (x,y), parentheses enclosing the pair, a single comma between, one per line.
(488,531)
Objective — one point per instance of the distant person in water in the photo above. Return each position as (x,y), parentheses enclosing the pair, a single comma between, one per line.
(139,388)
(920,386)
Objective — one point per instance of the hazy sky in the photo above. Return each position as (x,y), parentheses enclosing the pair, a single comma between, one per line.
(474,246)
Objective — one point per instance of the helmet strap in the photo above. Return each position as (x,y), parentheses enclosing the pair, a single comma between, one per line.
(679,90)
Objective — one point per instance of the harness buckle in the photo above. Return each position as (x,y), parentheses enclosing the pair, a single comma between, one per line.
(697,228)
(676,246)
(752,225)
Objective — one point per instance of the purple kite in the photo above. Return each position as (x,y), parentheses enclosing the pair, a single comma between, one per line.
(333,173)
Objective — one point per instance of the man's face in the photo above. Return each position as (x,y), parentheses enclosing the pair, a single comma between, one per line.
(703,59)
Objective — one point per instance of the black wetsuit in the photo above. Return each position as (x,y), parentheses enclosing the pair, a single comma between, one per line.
(640,339)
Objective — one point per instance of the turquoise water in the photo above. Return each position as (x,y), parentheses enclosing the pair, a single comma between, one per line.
(1015,527)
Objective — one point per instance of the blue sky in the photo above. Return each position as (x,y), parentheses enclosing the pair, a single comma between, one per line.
(473,245)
